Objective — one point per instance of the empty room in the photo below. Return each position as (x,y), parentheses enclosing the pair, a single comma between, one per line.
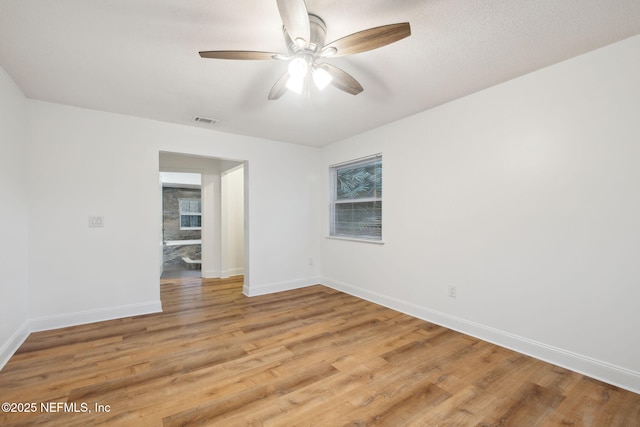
(416,213)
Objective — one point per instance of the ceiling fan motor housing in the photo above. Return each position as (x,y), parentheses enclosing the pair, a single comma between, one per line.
(317,37)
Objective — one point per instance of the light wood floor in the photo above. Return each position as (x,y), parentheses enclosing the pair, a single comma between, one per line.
(308,357)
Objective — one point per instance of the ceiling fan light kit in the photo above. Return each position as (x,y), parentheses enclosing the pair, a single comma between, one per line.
(305,35)
(321,77)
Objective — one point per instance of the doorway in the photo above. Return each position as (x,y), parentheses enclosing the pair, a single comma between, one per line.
(181,224)
(218,217)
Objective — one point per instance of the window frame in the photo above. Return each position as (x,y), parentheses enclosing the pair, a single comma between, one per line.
(335,200)
(189,213)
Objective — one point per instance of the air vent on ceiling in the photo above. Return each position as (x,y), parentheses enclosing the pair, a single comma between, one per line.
(204,120)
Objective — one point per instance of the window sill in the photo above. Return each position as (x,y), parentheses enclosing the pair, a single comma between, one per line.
(354,239)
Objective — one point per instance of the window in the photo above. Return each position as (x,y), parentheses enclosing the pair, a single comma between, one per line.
(190,214)
(356,199)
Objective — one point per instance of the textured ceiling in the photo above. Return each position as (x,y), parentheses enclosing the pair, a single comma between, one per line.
(140,57)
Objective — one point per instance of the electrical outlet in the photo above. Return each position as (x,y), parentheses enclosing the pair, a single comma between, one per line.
(453,292)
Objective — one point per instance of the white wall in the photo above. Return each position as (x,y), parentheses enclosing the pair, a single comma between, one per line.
(233,221)
(85,162)
(13,215)
(88,163)
(180,179)
(526,197)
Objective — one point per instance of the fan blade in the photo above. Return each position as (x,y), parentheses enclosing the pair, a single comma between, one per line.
(237,54)
(342,80)
(295,19)
(370,39)
(279,88)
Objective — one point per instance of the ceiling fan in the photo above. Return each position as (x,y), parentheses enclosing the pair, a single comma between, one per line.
(305,35)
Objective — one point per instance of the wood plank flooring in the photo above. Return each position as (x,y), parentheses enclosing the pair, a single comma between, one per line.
(308,357)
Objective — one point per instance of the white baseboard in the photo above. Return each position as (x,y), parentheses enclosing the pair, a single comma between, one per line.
(211,274)
(13,343)
(46,323)
(603,371)
(269,288)
(232,272)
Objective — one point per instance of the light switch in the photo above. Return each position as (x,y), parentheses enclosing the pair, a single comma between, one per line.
(96,221)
